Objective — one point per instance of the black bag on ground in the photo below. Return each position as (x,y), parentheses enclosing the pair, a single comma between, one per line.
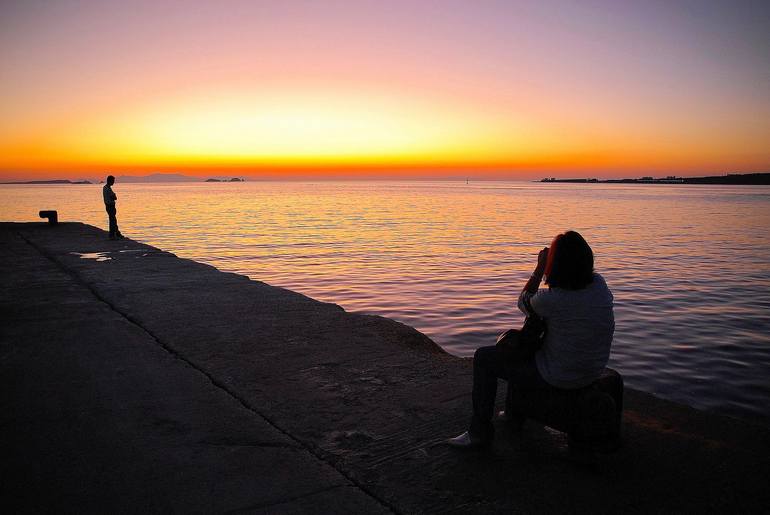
(521,344)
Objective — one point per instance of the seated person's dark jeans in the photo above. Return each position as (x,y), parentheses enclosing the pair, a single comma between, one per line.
(488,366)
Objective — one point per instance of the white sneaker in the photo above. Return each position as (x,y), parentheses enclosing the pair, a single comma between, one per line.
(466,441)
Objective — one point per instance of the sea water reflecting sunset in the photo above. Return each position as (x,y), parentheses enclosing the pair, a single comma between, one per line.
(689,265)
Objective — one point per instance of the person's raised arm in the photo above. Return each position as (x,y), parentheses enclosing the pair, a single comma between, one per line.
(534,281)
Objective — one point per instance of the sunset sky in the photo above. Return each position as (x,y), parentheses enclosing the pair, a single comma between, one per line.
(386,88)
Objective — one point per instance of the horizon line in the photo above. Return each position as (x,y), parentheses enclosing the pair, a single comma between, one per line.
(354,178)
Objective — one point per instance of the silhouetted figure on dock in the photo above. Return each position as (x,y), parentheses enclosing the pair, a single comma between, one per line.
(109,203)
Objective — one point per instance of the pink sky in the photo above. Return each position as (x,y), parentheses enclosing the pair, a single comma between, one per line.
(510,89)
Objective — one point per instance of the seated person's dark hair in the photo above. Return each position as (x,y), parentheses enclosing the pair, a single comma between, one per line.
(570,262)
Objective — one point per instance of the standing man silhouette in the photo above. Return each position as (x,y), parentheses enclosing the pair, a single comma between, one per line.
(109,204)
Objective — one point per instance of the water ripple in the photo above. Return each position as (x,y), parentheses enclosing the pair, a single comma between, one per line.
(689,265)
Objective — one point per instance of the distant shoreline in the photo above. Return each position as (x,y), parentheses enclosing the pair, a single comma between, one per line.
(729,179)
(53,181)
(129,179)
(756,179)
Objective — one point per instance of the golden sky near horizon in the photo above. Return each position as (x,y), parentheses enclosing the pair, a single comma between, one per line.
(514,89)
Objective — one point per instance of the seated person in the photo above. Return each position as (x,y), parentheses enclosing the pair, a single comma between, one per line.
(577,309)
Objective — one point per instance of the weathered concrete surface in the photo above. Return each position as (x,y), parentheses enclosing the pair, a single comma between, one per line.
(98,417)
(150,383)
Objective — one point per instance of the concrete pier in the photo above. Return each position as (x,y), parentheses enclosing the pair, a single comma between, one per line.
(136,381)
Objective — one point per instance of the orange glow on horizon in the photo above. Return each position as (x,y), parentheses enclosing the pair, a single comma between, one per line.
(292,133)
(493,91)
(283,130)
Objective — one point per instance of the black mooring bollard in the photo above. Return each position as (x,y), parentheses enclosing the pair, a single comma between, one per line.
(53,216)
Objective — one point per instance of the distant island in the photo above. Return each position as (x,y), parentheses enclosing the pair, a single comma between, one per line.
(129,179)
(730,178)
(53,181)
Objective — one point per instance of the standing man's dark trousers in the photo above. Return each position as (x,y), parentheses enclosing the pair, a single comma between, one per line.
(111,214)
(489,364)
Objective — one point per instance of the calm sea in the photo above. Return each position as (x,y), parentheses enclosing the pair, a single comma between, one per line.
(689,265)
